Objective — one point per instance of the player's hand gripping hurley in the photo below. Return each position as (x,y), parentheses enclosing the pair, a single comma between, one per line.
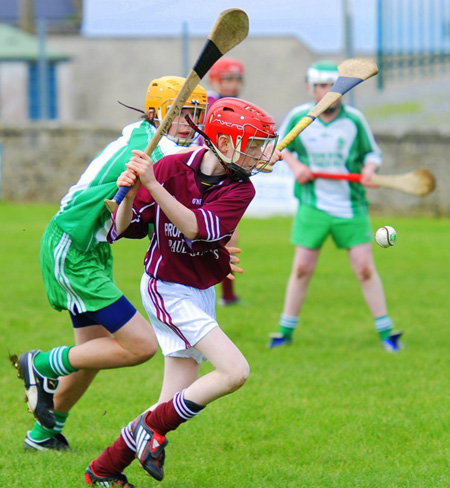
(351,72)
(230,28)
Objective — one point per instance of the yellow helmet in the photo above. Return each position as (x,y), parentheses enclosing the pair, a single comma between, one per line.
(162,92)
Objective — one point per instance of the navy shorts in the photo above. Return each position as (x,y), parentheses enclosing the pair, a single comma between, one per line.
(112,317)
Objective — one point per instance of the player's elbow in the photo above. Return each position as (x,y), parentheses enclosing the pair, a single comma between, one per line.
(191,230)
(190,234)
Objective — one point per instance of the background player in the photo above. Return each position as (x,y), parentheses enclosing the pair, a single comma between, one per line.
(339,141)
(186,258)
(77,268)
(226,77)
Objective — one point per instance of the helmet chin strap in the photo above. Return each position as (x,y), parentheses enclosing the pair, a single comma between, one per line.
(132,108)
(235,172)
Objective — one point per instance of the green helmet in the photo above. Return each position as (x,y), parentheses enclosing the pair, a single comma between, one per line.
(322,72)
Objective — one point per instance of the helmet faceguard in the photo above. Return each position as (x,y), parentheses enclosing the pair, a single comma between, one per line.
(161,94)
(251,134)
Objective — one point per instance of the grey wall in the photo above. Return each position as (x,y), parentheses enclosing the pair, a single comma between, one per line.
(107,70)
(41,161)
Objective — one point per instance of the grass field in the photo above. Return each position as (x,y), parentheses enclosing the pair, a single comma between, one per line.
(333,410)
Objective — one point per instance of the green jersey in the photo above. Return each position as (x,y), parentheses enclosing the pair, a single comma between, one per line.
(82,213)
(343,145)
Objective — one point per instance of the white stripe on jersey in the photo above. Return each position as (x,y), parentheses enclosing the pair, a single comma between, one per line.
(212,224)
(192,156)
(157,218)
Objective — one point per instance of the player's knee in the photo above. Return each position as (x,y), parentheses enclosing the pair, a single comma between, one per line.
(238,376)
(364,273)
(302,271)
(145,351)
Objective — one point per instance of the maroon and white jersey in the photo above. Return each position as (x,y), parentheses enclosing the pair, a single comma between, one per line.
(201,262)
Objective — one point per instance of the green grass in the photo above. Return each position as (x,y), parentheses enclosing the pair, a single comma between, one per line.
(331,411)
(403,109)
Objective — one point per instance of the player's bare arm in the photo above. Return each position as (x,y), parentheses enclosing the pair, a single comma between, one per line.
(277,155)
(124,213)
(302,172)
(367,172)
(182,217)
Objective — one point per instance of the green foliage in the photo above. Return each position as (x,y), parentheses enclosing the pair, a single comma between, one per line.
(333,410)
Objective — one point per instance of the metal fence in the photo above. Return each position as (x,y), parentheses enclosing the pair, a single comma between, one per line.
(413,39)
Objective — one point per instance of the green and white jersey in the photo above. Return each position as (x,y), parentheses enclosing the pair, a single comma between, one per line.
(82,213)
(343,145)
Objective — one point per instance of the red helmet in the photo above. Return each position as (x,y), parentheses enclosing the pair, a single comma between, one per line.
(249,128)
(225,67)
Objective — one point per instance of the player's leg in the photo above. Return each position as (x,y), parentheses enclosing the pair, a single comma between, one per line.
(71,389)
(355,235)
(229,296)
(363,265)
(133,341)
(231,372)
(179,373)
(311,228)
(183,317)
(303,267)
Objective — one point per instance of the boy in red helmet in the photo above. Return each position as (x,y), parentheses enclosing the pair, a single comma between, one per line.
(226,77)
(77,267)
(195,200)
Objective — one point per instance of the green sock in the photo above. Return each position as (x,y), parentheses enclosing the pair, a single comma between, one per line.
(287,332)
(384,326)
(41,433)
(54,363)
(287,325)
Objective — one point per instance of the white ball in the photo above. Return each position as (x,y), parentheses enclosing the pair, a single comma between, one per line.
(386,236)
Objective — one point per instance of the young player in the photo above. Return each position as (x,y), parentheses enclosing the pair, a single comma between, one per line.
(226,77)
(195,200)
(76,263)
(339,141)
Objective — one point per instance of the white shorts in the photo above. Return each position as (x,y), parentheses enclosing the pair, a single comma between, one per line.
(181,315)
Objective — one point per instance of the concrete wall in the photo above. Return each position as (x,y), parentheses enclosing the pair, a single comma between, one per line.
(13,92)
(104,70)
(41,161)
(405,151)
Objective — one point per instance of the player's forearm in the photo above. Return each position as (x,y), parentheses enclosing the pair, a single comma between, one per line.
(124,215)
(182,217)
(291,160)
